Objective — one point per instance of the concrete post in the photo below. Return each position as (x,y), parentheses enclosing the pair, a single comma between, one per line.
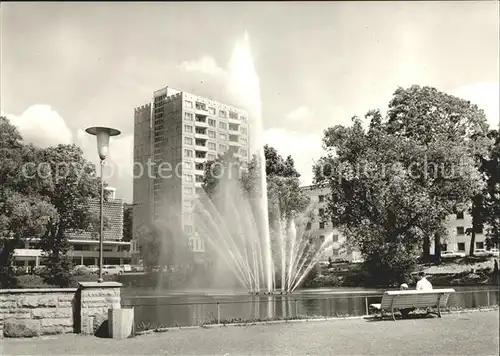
(120,323)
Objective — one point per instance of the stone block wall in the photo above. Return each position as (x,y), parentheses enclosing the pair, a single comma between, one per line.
(35,312)
(94,300)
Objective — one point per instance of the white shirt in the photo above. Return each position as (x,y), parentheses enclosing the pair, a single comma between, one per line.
(424,285)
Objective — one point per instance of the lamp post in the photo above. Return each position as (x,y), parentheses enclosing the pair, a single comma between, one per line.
(103,134)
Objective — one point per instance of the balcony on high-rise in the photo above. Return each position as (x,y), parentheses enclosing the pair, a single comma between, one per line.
(199,178)
(201,144)
(201,109)
(234,139)
(233,117)
(200,155)
(201,132)
(234,127)
(200,120)
(200,167)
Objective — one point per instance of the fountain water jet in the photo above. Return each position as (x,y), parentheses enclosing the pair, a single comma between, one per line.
(237,226)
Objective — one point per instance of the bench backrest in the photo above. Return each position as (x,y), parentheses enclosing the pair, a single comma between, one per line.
(415,299)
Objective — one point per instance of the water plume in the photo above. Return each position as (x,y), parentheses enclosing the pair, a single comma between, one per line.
(236,224)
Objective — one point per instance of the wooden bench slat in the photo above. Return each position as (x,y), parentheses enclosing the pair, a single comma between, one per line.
(415,299)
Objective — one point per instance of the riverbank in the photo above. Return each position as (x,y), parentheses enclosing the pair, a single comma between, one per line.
(454,334)
(469,271)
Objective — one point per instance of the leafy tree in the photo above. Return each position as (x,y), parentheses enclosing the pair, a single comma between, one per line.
(372,200)
(150,240)
(23,212)
(391,185)
(127,222)
(439,122)
(225,166)
(45,193)
(285,197)
(69,191)
(491,168)
(277,166)
(20,216)
(283,185)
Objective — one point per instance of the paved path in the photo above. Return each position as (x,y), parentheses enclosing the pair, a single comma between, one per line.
(474,333)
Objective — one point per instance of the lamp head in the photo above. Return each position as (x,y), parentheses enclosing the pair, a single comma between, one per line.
(103,134)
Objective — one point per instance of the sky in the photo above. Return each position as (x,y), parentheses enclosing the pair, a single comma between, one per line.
(68,66)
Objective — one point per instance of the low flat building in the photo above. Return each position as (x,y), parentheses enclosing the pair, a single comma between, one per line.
(85,244)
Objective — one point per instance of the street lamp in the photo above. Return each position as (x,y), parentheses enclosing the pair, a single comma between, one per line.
(103,134)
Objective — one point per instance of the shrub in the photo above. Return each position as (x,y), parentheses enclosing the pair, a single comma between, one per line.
(388,268)
(31,281)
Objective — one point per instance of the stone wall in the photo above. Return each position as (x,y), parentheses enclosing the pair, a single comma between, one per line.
(35,312)
(95,299)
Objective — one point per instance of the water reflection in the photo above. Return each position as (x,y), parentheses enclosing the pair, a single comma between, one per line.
(189,309)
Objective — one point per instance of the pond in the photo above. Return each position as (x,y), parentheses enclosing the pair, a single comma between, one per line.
(194,307)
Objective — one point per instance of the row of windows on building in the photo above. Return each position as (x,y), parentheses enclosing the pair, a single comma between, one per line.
(223,137)
(213,123)
(213,111)
(234,129)
(461,246)
(188,178)
(211,134)
(462,231)
(210,156)
(196,245)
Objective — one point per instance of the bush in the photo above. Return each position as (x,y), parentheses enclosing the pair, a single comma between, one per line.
(329,280)
(31,281)
(7,277)
(388,269)
(311,276)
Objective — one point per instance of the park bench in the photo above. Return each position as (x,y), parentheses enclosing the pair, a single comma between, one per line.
(412,299)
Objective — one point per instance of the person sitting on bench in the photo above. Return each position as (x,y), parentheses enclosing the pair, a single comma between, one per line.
(404,312)
(423,284)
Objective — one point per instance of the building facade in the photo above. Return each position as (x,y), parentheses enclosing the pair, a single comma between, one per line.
(457,225)
(176,135)
(325,230)
(458,240)
(85,244)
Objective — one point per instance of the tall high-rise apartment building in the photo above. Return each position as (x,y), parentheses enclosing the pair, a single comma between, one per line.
(174,137)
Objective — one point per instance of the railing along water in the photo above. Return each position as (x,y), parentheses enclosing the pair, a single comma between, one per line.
(161,310)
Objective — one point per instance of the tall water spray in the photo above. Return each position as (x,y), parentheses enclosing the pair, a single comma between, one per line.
(237,225)
(244,88)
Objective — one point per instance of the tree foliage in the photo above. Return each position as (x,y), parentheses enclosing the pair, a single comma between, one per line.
(452,132)
(150,245)
(393,185)
(127,222)
(282,181)
(491,168)
(45,194)
(276,165)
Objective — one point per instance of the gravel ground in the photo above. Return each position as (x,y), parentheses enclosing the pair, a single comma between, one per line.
(474,333)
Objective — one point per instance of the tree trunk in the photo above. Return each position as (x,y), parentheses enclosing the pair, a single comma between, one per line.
(437,247)
(472,242)
(7,272)
(426,249)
